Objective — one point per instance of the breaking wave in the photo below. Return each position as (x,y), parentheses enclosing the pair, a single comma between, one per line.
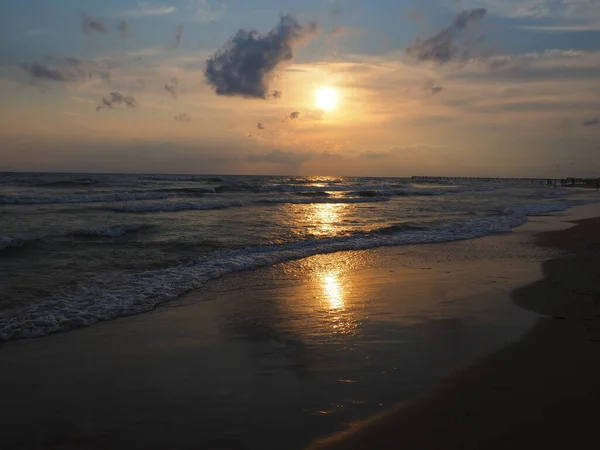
(109,296)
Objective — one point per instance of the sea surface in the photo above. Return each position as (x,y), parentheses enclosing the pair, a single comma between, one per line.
(76,249)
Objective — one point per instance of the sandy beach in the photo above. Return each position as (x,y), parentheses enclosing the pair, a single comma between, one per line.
(280,357)
(540,391)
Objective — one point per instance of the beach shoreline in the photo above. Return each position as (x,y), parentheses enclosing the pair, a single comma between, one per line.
(540,391)
(330,333)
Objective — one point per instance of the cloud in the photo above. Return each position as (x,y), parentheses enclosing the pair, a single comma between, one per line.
(280,157)
(68,69)
(117,99)
(441,47)
(145,9)
(178,35)
(547,64)
(207,10)
(91,25)
(38,70)
(432,87)
(376,155)
(184,117)
(341,32)
(37,32)
(171,87)
(591,122)
(315,114)
(571,9)
(574,28)
(123,28)
(244,65)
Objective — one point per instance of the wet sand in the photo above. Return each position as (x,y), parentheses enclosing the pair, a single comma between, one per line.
(541,392)
(274,358)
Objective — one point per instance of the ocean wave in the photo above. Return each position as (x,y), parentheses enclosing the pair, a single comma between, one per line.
(194,206)
(312,194)
(173,207)
(10,242)
(73,182)
(291,188)
(409,192)
(184,178)
(110,296)
(398,228)
(116,197)
(112,231)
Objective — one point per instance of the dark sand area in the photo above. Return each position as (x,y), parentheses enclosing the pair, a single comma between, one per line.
(275,358)
(541,392)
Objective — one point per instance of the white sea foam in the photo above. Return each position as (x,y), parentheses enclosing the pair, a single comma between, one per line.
(109,296)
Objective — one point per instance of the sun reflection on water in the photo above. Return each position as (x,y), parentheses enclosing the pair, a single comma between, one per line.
(334,293)
(338,315)
(326,217)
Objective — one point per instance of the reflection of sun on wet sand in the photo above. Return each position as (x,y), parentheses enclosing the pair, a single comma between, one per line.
(333,291)
(337,316)
(541,392)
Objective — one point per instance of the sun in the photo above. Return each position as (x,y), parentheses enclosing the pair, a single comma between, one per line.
(327,98)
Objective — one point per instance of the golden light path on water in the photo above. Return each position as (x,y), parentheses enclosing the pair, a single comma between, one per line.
(333,290)
(326,216)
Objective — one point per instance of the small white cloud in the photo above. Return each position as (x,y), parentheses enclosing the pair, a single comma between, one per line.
(37,32)
(569,9)
(562,28)
(207,10)
(150,9)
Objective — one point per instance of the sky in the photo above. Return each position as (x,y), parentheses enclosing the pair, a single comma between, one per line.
(505,88)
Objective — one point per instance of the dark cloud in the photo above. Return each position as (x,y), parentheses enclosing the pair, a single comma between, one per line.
(441,47)
(260,126)
(294,115)
(91,25)
(178,35)
(280,157)
(123,28)
(68,69)
(38,70)
(432,87)
(591,122)
(244,65)
(171,87)
(184,117)
(73,61)
(117,99)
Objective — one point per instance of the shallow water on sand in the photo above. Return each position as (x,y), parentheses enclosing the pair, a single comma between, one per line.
(274,358)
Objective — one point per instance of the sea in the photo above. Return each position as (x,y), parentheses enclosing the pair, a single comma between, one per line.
(77,249)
